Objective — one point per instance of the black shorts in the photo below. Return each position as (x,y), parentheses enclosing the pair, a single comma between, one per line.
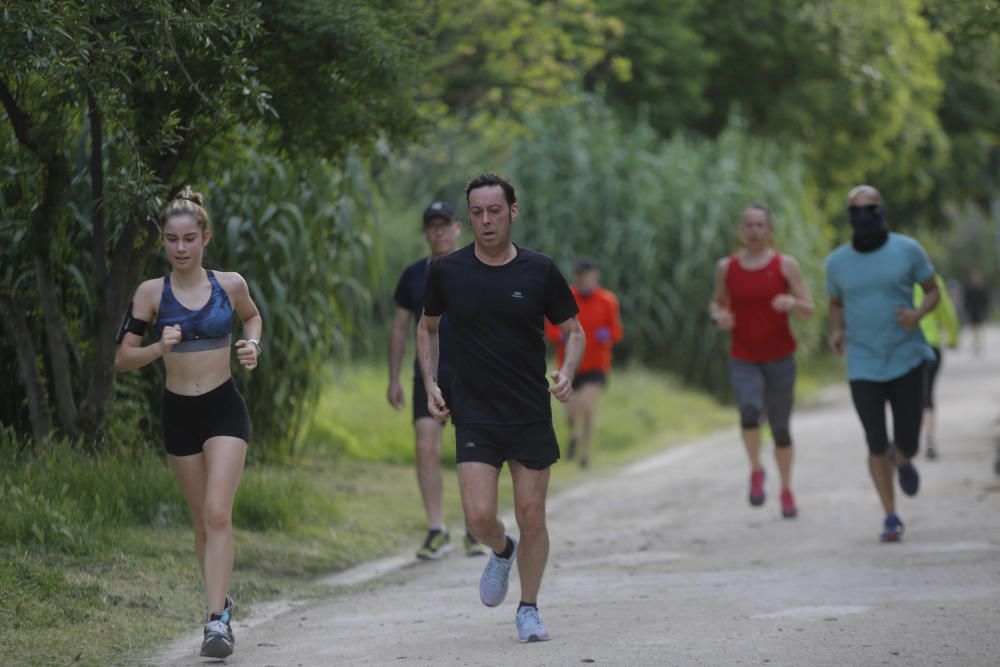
(188,421)
(590,377)
(532,445)
(905,396)
(420,410)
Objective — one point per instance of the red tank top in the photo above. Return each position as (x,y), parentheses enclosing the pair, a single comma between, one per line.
(760,333)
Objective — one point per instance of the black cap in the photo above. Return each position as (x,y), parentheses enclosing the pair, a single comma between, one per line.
(439,209)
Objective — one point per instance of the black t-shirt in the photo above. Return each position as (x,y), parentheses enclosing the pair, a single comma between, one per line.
(410,295)
(497,315)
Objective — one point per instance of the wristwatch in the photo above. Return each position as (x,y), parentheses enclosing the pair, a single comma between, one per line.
(256,344)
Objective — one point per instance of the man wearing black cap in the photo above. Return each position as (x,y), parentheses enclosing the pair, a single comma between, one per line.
(441,229)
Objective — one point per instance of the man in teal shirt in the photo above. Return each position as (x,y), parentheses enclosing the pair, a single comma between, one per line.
(870,282)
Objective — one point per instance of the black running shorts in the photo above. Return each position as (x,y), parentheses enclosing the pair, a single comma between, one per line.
(188,421)
(532,445)
(590,377)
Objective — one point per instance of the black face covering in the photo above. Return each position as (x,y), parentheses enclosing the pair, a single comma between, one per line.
(870,232)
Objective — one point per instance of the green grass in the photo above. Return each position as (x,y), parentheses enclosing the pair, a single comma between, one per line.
(97,565)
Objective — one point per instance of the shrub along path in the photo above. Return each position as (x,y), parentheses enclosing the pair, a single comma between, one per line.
(663,562)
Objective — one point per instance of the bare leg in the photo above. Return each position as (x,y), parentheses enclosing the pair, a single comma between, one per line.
(477,483)
(751,440)
(587,396)
(784,456)
(224,459)
(192,476)
(929,426)
(574,415)
(882,474)
(428,433)
(530,489)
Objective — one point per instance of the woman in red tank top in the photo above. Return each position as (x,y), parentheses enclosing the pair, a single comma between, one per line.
(755,290)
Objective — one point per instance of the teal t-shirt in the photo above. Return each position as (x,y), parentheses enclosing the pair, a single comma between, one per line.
(872,285)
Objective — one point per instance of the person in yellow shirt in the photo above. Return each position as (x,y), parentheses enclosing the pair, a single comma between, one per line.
(942,319)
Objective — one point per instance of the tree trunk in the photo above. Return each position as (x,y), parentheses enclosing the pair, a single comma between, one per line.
(15,326)
(122,277)
(43,226)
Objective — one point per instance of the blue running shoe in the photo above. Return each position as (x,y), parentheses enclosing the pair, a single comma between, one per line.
(493,584)
(892,530)
(529,626)
(909,478)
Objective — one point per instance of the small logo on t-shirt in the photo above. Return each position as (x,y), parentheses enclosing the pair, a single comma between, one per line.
(517,295)
(470,445)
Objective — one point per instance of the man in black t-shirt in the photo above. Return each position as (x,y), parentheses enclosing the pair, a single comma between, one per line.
(497,296)
(441,229)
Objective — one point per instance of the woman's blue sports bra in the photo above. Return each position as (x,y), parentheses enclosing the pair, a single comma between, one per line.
(209,328)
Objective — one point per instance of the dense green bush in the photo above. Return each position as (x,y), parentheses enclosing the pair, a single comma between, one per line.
(302,240)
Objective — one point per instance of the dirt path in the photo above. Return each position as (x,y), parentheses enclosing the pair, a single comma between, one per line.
(665,563)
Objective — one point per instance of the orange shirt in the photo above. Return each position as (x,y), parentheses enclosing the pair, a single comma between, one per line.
(601,321)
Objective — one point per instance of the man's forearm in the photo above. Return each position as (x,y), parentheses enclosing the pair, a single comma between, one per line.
(397,349)
(930,302)
(574,352)
(427,354)
(836,317)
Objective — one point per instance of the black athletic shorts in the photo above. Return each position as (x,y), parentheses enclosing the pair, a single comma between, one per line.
(532,445)
(420,396)
(590,377)
(188,421)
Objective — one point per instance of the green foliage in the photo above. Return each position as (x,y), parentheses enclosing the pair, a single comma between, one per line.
(62,500)
(303,243)
(108,106)
(341,73)
(854,84)
(495,63)
(656,215)
(666,63)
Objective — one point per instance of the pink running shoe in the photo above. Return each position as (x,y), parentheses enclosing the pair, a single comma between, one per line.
(757,487)
(788,508)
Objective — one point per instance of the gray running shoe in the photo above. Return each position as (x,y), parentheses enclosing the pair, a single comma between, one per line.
(496,576)
(219,640)
(529,626)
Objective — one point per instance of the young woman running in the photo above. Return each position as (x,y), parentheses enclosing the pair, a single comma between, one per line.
(206,426)
(755,289)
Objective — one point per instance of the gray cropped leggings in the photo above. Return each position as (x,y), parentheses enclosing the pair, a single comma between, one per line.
(765,389)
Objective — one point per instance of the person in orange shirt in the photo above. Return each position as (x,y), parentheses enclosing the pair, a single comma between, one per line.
(602,324)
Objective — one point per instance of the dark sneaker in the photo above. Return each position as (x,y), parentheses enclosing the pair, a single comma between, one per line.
(474,547)
(892,530)
(496,576)
(757,487)
(788,508)
(529,626)
(219,640)
(931,450)
(909,478)
(437,544)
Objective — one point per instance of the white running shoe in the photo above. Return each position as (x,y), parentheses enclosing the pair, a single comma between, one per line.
(496,576)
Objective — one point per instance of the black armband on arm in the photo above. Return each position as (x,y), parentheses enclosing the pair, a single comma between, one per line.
(130,324)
